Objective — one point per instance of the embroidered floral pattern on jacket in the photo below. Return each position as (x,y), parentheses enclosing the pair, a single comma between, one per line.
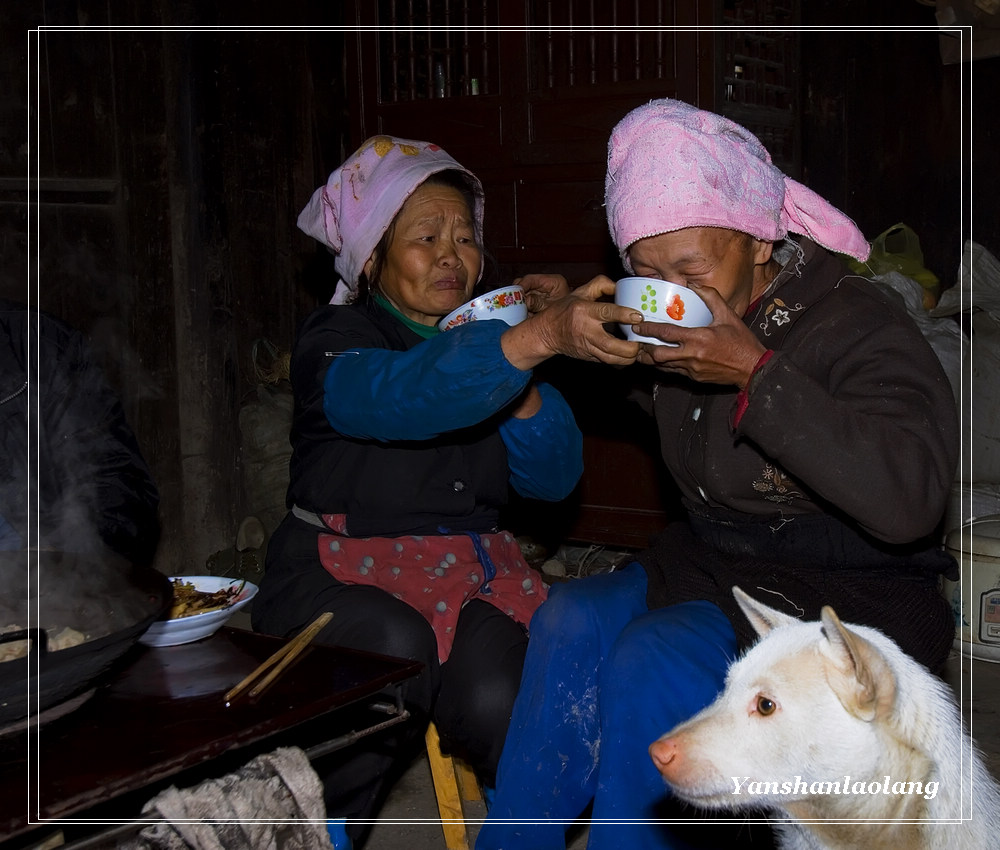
(776,486)
(778,313)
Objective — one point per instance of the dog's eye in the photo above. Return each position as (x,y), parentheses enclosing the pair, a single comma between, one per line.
(765,706)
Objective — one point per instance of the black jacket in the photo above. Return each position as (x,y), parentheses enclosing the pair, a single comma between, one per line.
(457,481)
(76,458)
(829,488)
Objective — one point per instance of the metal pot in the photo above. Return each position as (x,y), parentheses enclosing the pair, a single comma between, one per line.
(109,600)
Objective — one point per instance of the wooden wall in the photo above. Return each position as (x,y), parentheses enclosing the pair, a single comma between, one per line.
(172,164)
(883,132)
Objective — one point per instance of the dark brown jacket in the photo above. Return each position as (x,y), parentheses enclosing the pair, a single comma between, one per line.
(831,486)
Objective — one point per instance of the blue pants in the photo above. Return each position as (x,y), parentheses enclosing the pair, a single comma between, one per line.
(604,677)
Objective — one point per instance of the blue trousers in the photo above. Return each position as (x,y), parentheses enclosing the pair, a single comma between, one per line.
(604,677)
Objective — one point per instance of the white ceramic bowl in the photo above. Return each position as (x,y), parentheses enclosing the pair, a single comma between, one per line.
(197,626)
(505,303)
(661,301)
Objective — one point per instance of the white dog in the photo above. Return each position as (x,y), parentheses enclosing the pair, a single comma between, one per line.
(837,730)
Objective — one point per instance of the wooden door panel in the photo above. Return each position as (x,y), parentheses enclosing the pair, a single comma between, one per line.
(565,127)
(472,131)
(561,217)
(501,214)
(607,59)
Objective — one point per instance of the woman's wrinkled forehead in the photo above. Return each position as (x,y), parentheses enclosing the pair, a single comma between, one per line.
(689,245)
(433,204)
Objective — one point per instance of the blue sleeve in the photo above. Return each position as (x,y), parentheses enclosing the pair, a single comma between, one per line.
(451,381)
(545,452)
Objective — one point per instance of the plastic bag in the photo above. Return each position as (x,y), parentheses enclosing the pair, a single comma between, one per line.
(898,250)
(978,285)
(977,294)
(944,335)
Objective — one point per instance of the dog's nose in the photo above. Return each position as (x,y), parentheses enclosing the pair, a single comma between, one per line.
(664,753)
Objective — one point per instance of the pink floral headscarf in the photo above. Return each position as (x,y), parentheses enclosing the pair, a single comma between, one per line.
(672,165)
(351,212)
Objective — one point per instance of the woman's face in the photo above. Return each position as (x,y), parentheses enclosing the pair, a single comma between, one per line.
(433,260)
(734,264)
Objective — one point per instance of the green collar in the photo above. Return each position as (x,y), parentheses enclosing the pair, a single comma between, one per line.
(425,331)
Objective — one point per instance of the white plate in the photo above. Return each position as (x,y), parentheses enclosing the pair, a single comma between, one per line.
(198,626)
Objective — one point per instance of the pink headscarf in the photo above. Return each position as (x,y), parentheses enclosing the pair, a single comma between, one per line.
(672,165)
(361,198)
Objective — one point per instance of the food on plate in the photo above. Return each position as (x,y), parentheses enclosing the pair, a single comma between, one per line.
(188,600)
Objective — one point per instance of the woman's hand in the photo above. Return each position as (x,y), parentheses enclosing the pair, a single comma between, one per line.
(573,325)
(725,352)
(540,290)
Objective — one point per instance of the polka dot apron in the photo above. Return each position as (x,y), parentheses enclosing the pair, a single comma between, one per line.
(437,574)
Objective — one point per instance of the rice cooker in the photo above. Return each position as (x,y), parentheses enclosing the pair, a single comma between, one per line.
(975,598)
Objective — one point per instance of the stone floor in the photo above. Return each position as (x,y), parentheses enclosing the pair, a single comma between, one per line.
(976,682)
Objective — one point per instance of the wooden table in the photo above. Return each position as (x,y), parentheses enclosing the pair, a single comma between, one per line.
(162,714)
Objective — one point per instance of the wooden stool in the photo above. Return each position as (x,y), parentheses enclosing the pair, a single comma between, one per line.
(454,782)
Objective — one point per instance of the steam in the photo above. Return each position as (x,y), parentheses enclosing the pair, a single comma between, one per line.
(57,570)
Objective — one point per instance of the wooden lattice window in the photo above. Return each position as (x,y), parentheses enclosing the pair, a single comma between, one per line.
(600,49)
(436,49)
(758,74)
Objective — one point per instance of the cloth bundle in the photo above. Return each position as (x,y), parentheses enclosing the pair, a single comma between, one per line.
(274,802)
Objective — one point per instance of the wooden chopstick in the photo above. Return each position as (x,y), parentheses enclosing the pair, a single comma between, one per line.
(282,658)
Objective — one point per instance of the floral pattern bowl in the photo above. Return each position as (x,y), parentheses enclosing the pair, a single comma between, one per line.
(506,303)
(661,301)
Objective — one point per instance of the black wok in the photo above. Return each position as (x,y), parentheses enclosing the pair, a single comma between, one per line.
(109,600)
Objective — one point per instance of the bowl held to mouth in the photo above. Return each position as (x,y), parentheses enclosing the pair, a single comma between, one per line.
(661,301)
(506,303)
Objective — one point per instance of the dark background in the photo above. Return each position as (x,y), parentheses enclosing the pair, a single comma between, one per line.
(165,168)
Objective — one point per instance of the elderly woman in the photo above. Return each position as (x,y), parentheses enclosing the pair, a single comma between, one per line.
(405,441)
(813,436)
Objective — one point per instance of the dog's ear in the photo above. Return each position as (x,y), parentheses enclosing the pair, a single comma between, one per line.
(864,683)
(761,617)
